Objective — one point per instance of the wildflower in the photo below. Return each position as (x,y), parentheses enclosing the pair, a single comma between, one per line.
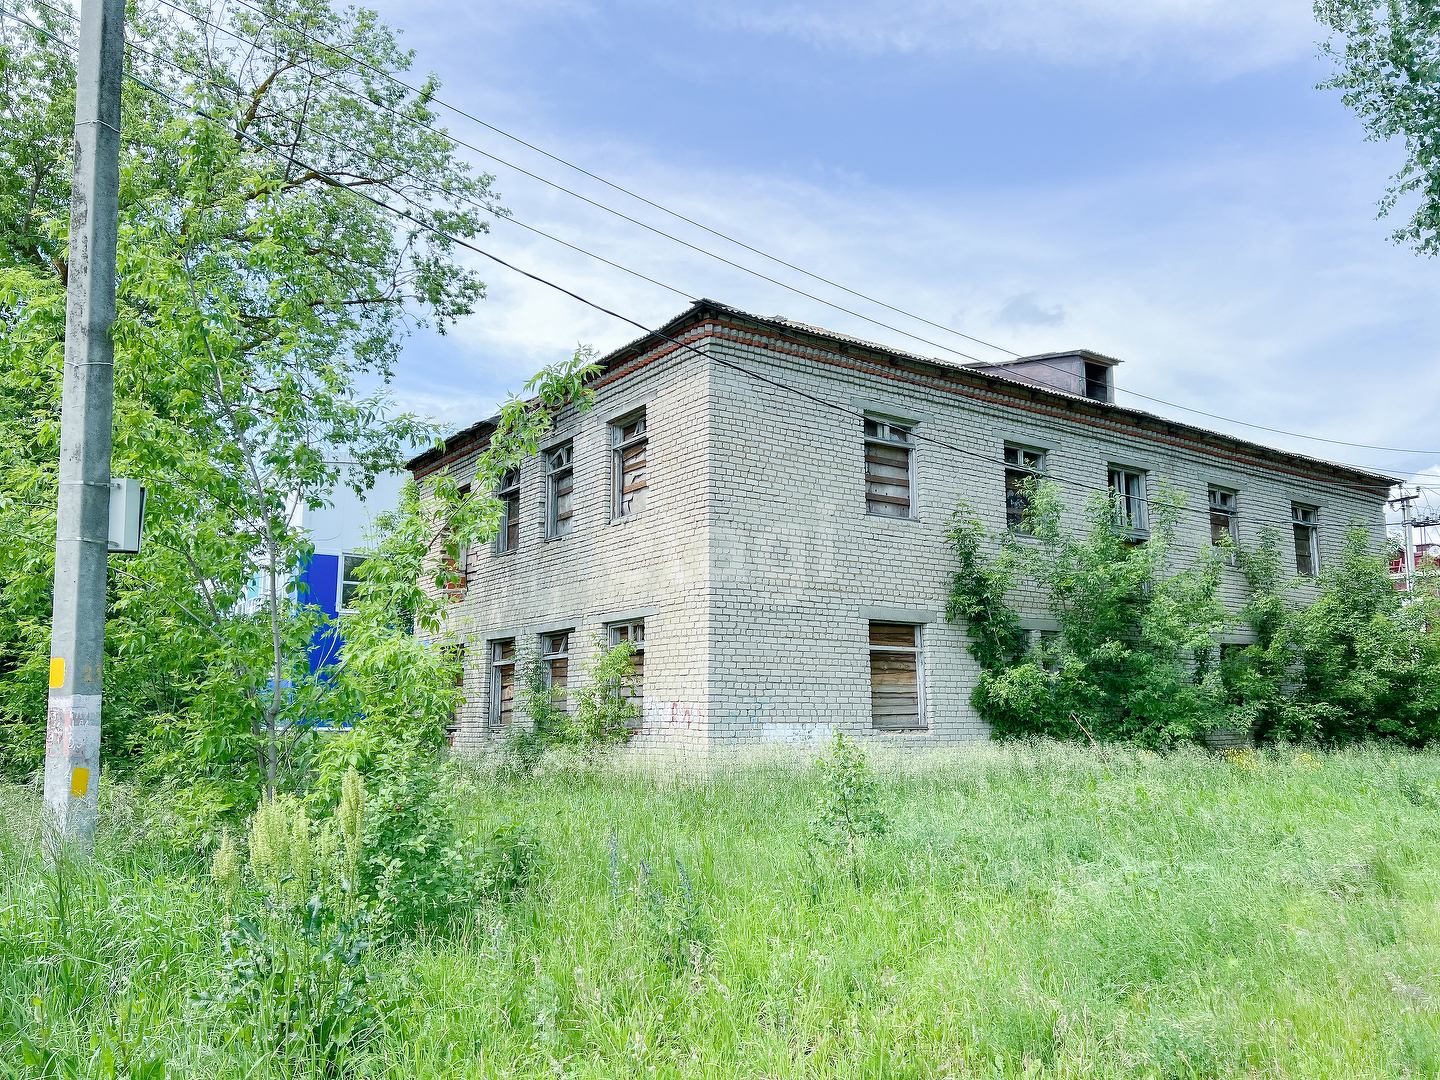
(225,866)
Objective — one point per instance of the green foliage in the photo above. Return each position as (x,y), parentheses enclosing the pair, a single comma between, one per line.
(1368,664)
(847,804)
(1027,914)
(1388,68)
(977,595)
(675,919)
(605,709)
(1136,634)
(301,993)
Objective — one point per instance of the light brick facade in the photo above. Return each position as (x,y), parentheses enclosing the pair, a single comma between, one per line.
(755,566)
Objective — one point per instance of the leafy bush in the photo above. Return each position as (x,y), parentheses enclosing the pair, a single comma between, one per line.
(847,806)
(605,708)
(675,919)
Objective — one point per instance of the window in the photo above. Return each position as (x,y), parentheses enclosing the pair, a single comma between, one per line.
(508,539)
(633,632)
(1097,382)
(349,580)
(1131,507)
(502,683)
(555,656)
(559,490)
(1306,524)
(888,457)
(1020,465)
(456,655)
(629,441)
(1224,517)
(454,559)
(895,677)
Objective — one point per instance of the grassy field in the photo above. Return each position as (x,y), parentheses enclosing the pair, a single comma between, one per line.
(1034,911)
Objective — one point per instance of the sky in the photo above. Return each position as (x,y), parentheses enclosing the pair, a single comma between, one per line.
(1162,183)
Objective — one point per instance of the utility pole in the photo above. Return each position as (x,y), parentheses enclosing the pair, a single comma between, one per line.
(1408,563)
(82,519)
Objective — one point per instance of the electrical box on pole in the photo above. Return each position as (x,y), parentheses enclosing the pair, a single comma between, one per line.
(127,516)
(82,515)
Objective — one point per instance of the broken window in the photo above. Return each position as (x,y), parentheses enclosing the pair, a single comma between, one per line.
(508,492)
(559,490)
(633,632)
(1224,518)
(454,558)
(889,452)
(502,683)
(895,677)
(555,656)
(1306,524)
(456,655)
(629,439)
(1021,464)
(1097,382)
(349,580)
(1131,506)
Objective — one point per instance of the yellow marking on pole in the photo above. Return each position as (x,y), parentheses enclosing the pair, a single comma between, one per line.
(79,783)
(57,672)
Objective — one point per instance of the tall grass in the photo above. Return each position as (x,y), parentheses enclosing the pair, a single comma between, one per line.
(1034,911)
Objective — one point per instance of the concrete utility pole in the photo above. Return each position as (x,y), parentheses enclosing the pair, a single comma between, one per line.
(77,636)
(1408,562)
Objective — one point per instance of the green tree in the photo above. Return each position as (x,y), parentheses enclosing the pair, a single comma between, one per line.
(262,303)
(1388,68)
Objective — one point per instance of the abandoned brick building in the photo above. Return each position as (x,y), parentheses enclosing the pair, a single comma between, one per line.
(761,507)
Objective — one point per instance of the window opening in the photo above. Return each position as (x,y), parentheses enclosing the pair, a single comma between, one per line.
(1020,465)
(895,677)
(1224,517)
(456,654)
(349,580)
(454,559)
(635,633)
(1097,382)
(1306,525)
(1131,506)
(502,683)
(889,454)
(555,656)
(630,442)
(560,490)
(508,539)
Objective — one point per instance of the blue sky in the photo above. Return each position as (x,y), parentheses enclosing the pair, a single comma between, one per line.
(1164,186)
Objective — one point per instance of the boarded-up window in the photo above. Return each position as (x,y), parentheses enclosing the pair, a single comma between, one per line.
(895,677)
(631,445)
(456,655)
(502,683)
(560,490)
(1307,539)
(1021,464)
(454,558)
(1224,516)
(635,633)
(508,539)
(888,460)
(555,655)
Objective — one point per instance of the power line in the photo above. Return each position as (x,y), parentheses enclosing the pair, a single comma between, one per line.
(909,314)
(425,225)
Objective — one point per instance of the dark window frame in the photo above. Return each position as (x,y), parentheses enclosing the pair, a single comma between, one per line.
(1305,528)
(501,717)
(1018,469)
(508,492)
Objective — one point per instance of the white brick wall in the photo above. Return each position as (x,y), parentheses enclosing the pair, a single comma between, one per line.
(755,562)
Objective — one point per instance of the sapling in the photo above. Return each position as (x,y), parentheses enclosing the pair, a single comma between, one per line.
(847,806)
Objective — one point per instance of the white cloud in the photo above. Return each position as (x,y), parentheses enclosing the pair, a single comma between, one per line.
(1227,35)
